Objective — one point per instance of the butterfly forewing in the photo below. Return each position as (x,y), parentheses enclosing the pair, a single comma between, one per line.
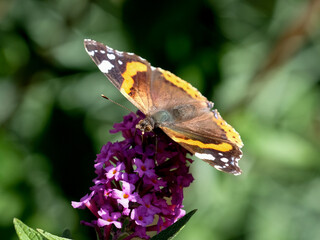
(127,72)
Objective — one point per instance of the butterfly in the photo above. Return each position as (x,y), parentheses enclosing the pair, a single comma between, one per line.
(171,104)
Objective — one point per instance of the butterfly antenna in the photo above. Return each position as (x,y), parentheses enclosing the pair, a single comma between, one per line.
(115,102)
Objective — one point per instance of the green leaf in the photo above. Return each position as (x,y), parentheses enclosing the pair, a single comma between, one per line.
(172,231)
(26,233)
(50,236)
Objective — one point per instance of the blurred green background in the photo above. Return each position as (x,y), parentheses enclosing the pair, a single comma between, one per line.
(257,60)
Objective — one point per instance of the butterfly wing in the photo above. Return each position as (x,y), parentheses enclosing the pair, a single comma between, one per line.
(168,91)
(193,123)
(211,139)
(128,72)
(189,119)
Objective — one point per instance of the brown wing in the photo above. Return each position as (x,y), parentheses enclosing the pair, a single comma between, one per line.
(209,138)
(190,121)
(168,91)
(128,72)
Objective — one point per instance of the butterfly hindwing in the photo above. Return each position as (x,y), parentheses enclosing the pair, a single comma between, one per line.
(204,138)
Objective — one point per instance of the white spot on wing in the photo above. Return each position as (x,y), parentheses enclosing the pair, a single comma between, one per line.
(111,56)
(120,62)
(205,156)
(119,53)
(91,53)
(89,40)
(105,66)
(224,160)
(103,51)
(218,167)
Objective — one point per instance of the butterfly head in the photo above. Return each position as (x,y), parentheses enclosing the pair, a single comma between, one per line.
(146,125)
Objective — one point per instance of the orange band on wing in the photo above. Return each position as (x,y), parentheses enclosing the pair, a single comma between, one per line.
(193,92)
(132,68)
(223,147)
(232,135)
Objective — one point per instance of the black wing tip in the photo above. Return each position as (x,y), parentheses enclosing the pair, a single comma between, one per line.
(88,41)
(232,168)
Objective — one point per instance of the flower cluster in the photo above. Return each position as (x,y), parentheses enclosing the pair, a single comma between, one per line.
(139,184)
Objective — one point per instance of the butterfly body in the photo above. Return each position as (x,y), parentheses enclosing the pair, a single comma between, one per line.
(171,104)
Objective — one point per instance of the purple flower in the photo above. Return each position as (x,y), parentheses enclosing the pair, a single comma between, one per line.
(144,168)
(155,182)
(140,232)
(139,182)
(126,195)
(141,216)
(107,219)
(114,172)
(146,202)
